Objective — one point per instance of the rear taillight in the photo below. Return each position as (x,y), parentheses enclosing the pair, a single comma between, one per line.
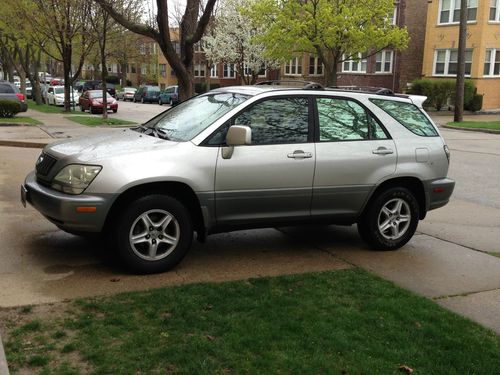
(20,96)
(447,152)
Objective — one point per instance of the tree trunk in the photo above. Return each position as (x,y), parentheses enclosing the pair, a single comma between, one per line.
(462,40)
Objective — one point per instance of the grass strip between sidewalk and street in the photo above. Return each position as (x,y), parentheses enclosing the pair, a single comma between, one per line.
(495,254)
(45,108)
(337,322)
(96,121)
(490,125)
(19,120)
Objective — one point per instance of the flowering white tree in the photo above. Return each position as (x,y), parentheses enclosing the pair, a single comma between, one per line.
(232,42)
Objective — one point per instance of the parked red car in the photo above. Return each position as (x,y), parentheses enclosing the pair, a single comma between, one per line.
(92,100)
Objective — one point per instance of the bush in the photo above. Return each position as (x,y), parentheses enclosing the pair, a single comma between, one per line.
(113,79)
(476,103)
(440,91)
(8,108)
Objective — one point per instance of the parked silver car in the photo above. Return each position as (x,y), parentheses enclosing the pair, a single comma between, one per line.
(241,157)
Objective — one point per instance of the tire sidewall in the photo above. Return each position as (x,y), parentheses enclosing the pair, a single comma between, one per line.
(369,225)
(128,217)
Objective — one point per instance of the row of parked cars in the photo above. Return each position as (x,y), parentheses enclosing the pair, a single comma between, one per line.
(150,94)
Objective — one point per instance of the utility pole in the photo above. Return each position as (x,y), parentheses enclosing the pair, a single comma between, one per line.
(462,39)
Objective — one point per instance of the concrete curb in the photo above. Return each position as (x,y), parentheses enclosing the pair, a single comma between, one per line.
(25,144)
(4,369)
(478,130)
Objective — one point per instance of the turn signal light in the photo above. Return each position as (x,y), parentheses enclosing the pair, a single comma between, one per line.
(86,209)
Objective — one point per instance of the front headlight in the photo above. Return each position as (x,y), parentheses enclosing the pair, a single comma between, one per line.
(75,178)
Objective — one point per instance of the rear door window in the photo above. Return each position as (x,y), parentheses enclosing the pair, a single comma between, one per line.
(408,115)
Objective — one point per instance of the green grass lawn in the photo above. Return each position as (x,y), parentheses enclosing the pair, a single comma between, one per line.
(19,120)
(45,107)
(495,254)
(98,120)
(495,125)
(341,322)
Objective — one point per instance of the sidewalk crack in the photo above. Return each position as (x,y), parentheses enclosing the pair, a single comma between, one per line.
(463,294)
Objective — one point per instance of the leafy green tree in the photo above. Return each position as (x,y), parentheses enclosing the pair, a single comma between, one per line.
(334,30)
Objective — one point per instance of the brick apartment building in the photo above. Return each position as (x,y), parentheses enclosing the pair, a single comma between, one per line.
(482,45)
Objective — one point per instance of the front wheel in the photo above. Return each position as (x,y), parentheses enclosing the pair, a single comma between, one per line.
(154,234)
(390,220)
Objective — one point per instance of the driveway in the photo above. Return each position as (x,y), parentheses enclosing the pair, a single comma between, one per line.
(447,260)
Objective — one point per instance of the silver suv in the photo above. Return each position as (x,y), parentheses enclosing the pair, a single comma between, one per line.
(246,157)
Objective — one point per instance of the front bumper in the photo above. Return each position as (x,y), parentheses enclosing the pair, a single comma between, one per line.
(61,209)
(438,192)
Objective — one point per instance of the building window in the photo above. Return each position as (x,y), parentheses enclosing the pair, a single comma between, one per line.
(229,71)
(248,72)
(213,71)
(315,66)
(495,10)
(395,15)
(294,67)
(446,62)
(198,47)
(355,65)
(199,70)
(383,62)
(163,70)
(449,11)
(492,62)
(144,69)
(132,68)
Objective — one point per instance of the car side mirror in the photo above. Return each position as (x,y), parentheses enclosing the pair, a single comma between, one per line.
(237,135)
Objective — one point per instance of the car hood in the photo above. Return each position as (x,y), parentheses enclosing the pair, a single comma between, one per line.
(107,145)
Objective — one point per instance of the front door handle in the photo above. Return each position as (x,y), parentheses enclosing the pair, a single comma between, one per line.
(299,154)
(382,151)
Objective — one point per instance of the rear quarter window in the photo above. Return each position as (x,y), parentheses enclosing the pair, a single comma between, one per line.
(408,115)
(6,89)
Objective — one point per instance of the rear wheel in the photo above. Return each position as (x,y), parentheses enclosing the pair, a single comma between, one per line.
(171,102)
(142,100)
(154,234)
(160,102)
(390,220)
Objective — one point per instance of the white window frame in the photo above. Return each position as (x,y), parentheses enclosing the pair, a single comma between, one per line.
(494,4)
(494,53)
(395,15)
(453,5)
(144,69)
(294,67)
(316,67)
(229,71)
(360,61)
(213,71)
(447,62)
(384,61)
(200,68)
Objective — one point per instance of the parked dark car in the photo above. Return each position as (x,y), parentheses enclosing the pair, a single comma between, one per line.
(9,91)
(170,95)
(110,88)
(82,86)
(147,94)
(92,100)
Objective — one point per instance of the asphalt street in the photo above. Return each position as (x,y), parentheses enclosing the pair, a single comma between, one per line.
(447,260)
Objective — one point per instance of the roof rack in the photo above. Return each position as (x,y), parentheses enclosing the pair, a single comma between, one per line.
(306,85)
(366,89)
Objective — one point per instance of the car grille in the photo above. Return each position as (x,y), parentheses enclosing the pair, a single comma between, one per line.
(44,164)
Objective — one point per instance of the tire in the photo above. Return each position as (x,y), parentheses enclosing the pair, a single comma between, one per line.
(390,220)
(92,110)
(133,100)
(171,102)
(152,209)
(115,110)
(160,102)
(142,100)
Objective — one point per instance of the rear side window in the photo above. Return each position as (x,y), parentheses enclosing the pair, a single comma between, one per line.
(6,89)
(408,115)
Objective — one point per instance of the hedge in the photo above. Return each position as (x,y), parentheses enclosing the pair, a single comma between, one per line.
(8,108)
(440,91)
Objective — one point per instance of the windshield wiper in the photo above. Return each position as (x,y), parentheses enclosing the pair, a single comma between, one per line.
(151,131)
(162,134)
(140,128)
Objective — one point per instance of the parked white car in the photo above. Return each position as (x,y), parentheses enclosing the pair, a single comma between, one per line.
(55,96)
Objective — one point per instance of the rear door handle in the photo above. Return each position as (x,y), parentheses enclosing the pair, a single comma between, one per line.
(382,151)
(299,154)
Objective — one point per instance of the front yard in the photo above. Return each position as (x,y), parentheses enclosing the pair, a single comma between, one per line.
(340,322)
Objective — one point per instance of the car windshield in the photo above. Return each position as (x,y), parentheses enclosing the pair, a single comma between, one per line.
(129,90)
(95,95)
(154,89)
(59,90)
(188,119)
